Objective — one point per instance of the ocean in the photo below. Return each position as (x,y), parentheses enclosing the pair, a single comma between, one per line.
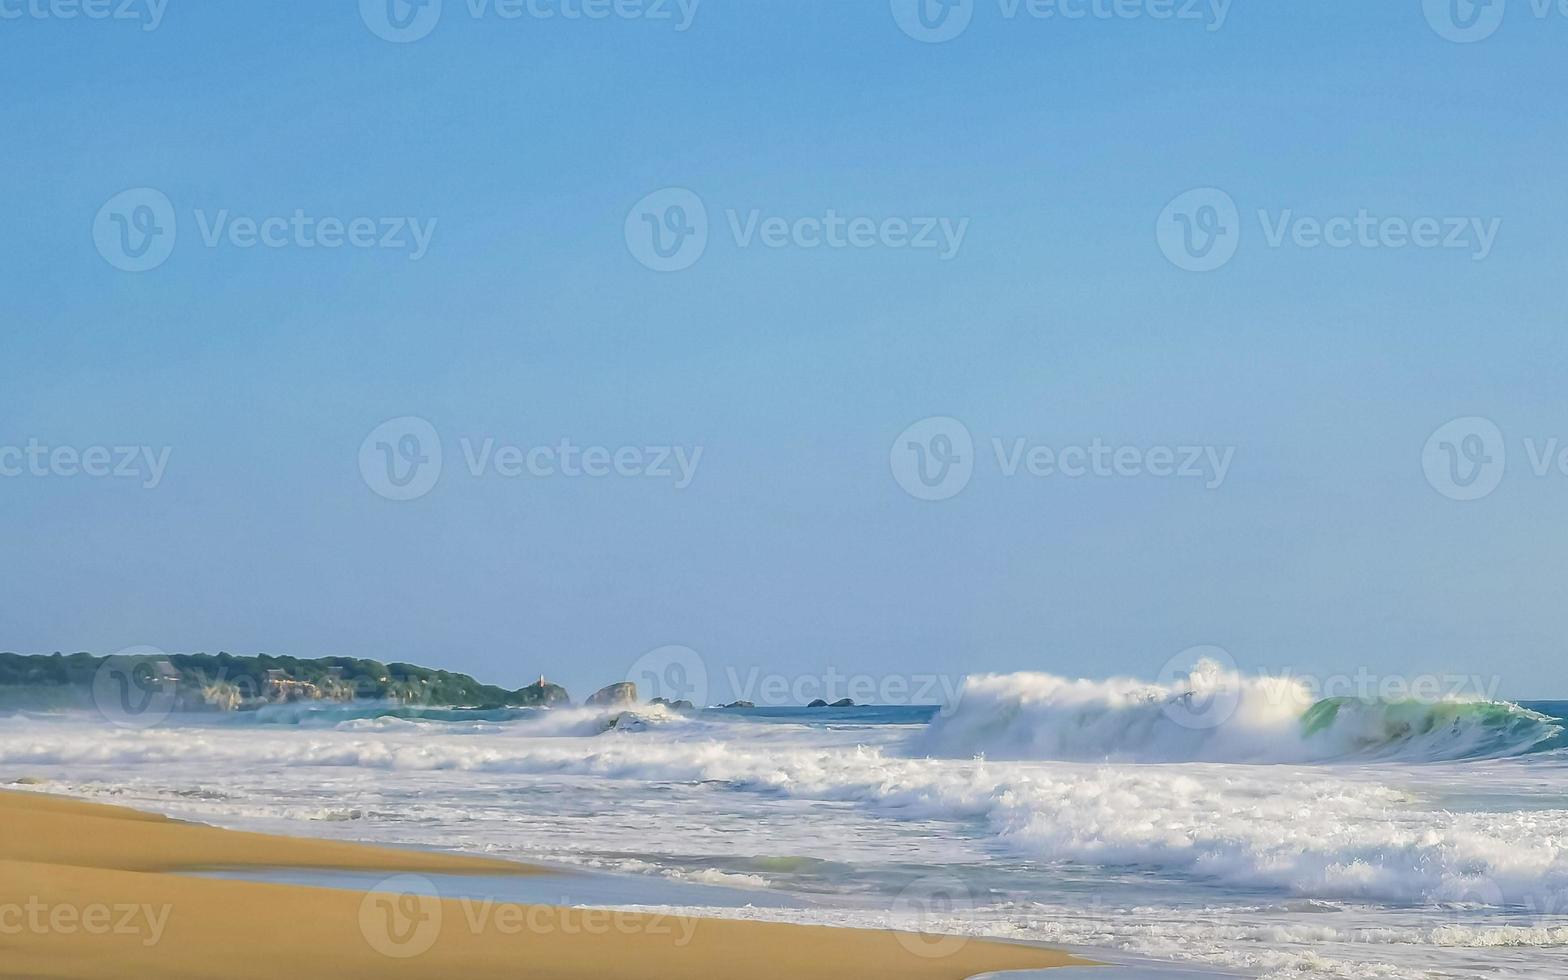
(1300,837)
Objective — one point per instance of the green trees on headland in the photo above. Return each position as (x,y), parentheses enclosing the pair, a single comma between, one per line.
(223,681)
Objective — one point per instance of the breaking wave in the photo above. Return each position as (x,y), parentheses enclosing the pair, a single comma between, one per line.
(1215,715)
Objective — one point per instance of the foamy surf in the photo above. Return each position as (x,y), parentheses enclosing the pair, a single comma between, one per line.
(1219,716)
(1376,859)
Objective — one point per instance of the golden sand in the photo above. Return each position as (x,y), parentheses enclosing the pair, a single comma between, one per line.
(90,891)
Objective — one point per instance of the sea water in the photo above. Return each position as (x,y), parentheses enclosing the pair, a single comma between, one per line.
(1300,838)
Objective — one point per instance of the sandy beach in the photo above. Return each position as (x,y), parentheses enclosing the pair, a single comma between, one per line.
(91,891)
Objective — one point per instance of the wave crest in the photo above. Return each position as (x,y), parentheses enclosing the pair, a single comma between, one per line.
(1216,715)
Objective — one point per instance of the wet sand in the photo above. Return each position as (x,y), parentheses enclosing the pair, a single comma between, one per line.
(98,892)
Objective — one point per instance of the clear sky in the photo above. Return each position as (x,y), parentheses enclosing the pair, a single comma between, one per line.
(1036,284)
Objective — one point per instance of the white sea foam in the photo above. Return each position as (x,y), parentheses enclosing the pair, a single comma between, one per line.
(1214,715)
(1367,867)
(1314,832)
(587,722)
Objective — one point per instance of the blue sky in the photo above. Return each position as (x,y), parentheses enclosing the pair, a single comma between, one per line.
(530,149)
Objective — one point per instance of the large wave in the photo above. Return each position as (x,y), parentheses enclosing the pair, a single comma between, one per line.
(1216,715)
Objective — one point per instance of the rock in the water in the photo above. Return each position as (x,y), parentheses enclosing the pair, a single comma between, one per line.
(625,721)
(681,705)
(540,695)
(740,704)
(842,703)
(818,703)
(616,694)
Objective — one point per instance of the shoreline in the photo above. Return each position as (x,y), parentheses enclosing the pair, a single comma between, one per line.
(96,891)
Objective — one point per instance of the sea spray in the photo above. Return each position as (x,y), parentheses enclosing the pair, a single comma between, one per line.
(1036,716)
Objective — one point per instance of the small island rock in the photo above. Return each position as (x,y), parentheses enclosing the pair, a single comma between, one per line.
(681,705)
(615,694)
(540,695)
